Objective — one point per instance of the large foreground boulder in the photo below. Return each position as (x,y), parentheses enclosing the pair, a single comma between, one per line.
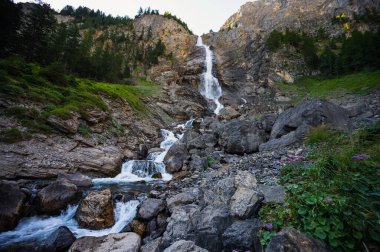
(291,240)
(293,124)
(239,137)
(96,210)
(11,199)
(60,240)
(150,208)
(123,242)
(176,157)
(56,197)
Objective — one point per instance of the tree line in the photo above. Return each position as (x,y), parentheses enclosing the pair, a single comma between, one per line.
(76,47)
(357,52)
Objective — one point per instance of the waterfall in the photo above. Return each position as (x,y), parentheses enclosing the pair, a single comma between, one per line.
(210,88)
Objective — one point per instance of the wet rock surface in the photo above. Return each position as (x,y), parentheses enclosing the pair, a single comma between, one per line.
(56,197)
(96,210)
(150,208)
(12,200)
(60,240)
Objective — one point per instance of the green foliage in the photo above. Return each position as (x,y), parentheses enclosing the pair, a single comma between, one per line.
(320,87)
(10,17)
(13,135)
(274,40)
(318,134)
(210,161)
(335,195)
(178,20)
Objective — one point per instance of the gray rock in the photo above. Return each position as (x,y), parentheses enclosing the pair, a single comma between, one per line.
(76,179)
(245,179)
(229,113)
(60,240)
(245,202)
(198,163)
(184,246)
(239,137)
(294,123)
(241,235)
(123,242)
(56,197)
(64,125)
(152,246)
(181,199)
(96,210)
(217,192)
(150,208)
(182,224)
(212,222)
(176,157)
(11,199)
(291,240)
(272,194)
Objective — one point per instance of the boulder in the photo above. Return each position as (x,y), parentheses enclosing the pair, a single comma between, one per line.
(123,242)
(76,179)
(184,246)
(56,197)
(245,202)
(96,210)
(291,240)
(181,199)
(150,208)
(242,236)
(228,113)
(217,192)
(11,199)
(60,240)
(293,124)
(198,163)
(181,224)
(239,137)
(176,157)
(138,227)
(272,194)
(211,224)
(152,246)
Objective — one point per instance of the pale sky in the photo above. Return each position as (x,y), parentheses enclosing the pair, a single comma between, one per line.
(200,15)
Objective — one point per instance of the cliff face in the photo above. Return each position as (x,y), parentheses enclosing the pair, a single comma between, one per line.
(248,70)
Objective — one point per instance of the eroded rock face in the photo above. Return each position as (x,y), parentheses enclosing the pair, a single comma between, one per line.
(56,197)
(76,179)
(239,137)
(125,242)
(292,125)
(291,240)
(11,199)
(184,246)
(96,210)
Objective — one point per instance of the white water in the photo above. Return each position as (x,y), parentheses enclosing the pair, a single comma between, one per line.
(38,228)
(210,87)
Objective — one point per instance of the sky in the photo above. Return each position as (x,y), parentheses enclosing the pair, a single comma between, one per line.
(200,15)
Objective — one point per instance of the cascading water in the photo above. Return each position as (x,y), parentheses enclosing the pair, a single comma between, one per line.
(38,228)
(210,87)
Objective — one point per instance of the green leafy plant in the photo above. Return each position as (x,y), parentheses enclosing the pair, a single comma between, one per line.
(335,194)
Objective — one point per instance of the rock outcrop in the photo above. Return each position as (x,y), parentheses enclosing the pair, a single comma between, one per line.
(96,210)
(59,240)
(150,208)
(292,125)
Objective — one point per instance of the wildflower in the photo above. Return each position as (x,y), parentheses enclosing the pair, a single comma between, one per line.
(328,200)
(268,226)
(360,157)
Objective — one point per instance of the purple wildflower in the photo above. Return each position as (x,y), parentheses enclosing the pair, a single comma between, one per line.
(235,250)
(268,226)
(360,157)
(328,200)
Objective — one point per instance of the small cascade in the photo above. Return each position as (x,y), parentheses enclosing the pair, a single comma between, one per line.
(38,228)
(210,88)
